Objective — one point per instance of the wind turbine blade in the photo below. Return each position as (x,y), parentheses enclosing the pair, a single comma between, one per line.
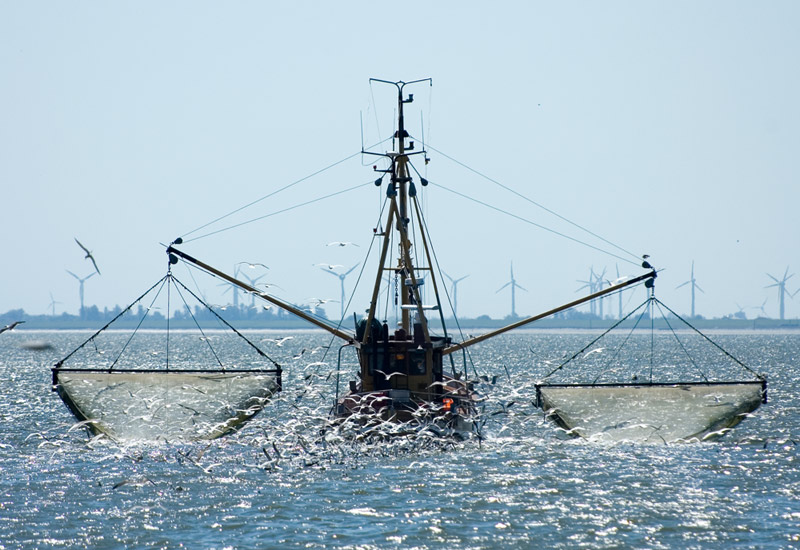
(698,288)
(502,287)
(682,284)
(351,269)
(521,287)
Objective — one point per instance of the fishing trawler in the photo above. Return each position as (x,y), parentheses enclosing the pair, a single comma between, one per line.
(407,376)
(403,376)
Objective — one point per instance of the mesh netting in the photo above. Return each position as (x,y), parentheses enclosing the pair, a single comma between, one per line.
(165,405)
(650,412)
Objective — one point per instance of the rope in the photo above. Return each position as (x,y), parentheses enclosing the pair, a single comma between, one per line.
(590,344)
(688,324)
(205,338)
(624,342)
(141,320)
(121,313)
(424,223)
(675,334)
(227,324)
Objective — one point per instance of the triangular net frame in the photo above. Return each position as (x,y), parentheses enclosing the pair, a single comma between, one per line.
(164,396)
(637,408)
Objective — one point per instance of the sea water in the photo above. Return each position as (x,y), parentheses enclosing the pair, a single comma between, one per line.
(281,482)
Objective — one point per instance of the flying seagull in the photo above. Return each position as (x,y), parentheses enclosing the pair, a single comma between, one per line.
(341,243)
(88,255)
(12,326)
(252,265)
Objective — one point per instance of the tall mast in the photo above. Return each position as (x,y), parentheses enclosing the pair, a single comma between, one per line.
(400,178)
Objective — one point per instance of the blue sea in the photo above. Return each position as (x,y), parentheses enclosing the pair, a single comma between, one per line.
(279,483)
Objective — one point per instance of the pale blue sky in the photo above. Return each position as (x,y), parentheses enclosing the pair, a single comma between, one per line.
(669,128)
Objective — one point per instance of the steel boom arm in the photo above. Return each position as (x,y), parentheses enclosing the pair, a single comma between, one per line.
(263,295)
(482,337)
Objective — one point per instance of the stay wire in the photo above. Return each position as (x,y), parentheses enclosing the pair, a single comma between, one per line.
(685,351)
(424,223)
(712,342)
(287,209)
(625,341)
(545,228)
(120,314)
(203,334)
(227,324)
(272,194)
(590,344)
(548,210)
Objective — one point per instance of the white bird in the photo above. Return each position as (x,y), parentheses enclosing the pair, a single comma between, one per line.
(329,266)
(88,255)
(12,326)
(282,340)
(389,376)
(252,265)
(341,243)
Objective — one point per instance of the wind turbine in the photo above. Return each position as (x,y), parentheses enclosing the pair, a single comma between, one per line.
(341,277)
(591,284)
(236,270)
(52,305)
(253,284)
(454,286)
(781,288)
(694,284)
(514,286)
(81,281)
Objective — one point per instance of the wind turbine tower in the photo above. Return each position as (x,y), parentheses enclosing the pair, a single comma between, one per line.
(692,281)
(341,277)
(253,284)
(52,305)
(591,284)
(781,288)
(454,287)
(514,286)
(81,281)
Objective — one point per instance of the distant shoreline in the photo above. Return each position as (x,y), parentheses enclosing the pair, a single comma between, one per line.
(45,322)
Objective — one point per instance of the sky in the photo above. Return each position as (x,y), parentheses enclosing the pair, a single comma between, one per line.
(666,128)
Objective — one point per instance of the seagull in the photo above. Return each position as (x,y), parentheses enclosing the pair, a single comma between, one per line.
(88,255)
(253,265)
(329,266)
(282,340)
(389,376)
(12,326)
(341,243)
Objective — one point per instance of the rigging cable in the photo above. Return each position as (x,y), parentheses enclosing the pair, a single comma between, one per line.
(549,230)
(283,210)
(523,197)
(675,334)
(284,188)
(120,314)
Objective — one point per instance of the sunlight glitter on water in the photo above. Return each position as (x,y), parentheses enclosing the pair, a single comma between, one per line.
(276,484)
